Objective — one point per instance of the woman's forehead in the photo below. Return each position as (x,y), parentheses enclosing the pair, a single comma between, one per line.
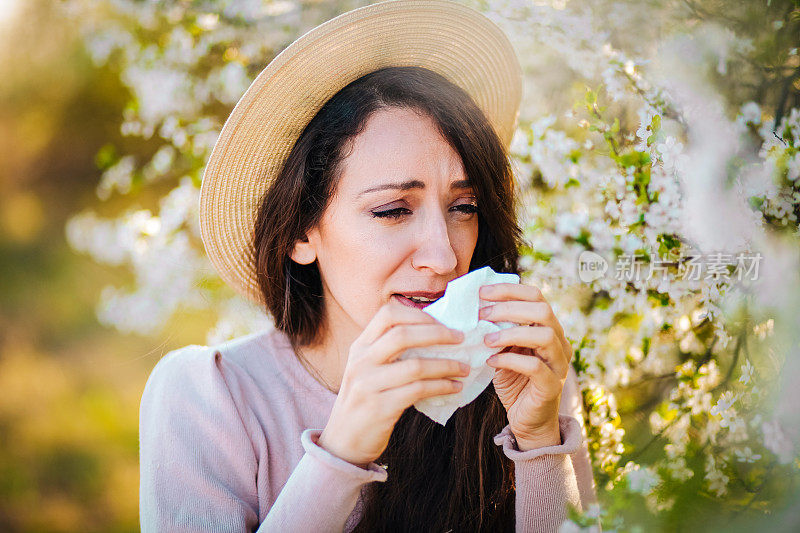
(403,150)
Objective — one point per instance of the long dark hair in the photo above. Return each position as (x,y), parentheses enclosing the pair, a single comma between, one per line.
(441,478)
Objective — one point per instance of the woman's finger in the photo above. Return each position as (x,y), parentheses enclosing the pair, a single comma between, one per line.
(521,312)
(529,365)
(542,338)
(390,315)
(399,373)
(400,398)
(404,336)
(511,291)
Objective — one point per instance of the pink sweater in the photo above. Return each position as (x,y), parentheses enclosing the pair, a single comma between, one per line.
(228,443)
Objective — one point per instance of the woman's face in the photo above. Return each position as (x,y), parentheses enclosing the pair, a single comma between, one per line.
(402,220)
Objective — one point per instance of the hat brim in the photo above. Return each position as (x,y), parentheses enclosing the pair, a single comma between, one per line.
(451,39)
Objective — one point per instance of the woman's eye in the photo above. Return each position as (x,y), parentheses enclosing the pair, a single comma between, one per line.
(467,208)
(391,213)
(400,211)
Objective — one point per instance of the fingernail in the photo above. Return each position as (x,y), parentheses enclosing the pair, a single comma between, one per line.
(491,337)
(485,312)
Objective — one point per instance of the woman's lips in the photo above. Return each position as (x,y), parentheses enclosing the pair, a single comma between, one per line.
(406,301)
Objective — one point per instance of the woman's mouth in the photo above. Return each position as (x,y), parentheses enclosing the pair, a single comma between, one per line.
(414,301)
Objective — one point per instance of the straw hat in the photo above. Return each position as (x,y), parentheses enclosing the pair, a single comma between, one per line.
(449,38)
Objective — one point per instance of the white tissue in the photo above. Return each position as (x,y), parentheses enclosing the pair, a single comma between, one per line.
(458,309)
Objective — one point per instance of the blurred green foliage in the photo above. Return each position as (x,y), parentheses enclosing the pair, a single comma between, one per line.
(70,387)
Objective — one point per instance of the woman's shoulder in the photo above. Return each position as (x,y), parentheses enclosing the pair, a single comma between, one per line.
(201,369)
(238,350)
(196,398)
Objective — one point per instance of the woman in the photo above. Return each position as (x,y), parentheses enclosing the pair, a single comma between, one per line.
(383,179)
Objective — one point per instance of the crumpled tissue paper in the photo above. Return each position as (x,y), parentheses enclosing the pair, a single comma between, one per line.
(458,309)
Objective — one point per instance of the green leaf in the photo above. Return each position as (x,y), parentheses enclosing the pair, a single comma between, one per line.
(106,156)
(755,202)
(197,178)
(654,127)
(583,238)
(655,124)
(633,158)
(667,243)
(661,298)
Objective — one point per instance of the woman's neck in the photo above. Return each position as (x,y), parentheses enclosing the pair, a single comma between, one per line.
(327,360)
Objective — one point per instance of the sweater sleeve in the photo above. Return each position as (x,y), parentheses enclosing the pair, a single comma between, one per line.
(198,464)
(330,482)
(549,478)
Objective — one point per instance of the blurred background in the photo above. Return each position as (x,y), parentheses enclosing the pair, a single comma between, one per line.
(70,386)
(108,110)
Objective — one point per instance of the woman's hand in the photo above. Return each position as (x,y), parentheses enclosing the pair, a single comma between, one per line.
(532,368)
(376,388)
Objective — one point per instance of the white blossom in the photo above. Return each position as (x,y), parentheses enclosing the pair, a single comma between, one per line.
(642,480)
(717,480)
(776,441)
(747,372)
(751,112)
(724,407)
(746,455)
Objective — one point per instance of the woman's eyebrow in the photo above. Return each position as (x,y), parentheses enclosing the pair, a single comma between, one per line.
(413,184)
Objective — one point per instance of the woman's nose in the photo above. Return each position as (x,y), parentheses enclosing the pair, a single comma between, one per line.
(434,249)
